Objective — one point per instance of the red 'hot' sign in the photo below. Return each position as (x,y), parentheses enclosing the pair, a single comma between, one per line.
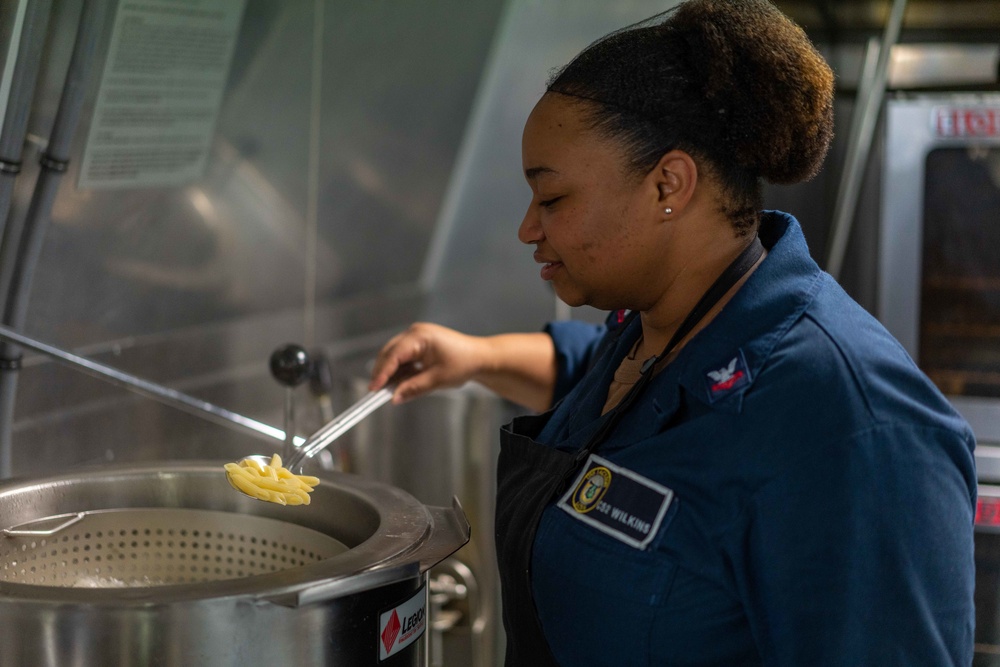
(967,121)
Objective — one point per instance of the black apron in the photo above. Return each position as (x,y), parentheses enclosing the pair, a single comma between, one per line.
(530,475)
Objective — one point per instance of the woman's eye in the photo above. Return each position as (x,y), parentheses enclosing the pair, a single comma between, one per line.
(549,202)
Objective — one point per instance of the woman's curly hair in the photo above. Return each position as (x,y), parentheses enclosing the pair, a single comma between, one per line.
(735,83)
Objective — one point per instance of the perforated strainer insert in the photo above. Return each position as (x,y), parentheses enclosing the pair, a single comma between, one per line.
(156,547)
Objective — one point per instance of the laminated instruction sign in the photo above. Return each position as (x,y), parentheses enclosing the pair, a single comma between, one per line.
(160,92)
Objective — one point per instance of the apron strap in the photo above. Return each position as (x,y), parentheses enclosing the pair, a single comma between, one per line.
(729,277)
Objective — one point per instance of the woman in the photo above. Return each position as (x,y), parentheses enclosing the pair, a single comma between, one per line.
(741,467)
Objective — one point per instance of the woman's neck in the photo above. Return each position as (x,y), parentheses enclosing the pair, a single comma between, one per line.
(662,320)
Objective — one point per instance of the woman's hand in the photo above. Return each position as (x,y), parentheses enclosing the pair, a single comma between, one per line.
(441,358)
(519,367)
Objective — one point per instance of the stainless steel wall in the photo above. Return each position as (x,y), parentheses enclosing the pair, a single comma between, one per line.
(478,276)
(338,130)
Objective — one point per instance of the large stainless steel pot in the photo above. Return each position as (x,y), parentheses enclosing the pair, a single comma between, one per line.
(315,609)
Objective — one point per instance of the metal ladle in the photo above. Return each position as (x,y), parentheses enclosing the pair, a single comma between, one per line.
(333,429)
(328,433)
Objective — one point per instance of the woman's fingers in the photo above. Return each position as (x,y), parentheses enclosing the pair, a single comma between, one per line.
(423,358)
(414,387)
(409,347)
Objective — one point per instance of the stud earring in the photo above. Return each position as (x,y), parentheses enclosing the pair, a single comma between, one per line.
(668,210)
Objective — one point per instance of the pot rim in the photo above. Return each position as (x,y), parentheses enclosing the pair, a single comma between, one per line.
(410,537)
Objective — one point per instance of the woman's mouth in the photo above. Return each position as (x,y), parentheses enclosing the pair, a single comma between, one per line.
(549,270)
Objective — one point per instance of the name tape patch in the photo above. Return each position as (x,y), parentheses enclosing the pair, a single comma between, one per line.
(402,625)
(617,502)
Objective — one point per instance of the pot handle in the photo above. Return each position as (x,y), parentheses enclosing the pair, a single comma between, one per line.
(449,532)
(70,519)
(344,586)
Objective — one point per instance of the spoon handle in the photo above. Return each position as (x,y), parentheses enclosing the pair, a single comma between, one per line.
(340,425)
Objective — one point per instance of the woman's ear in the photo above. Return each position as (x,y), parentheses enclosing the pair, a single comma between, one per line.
(676,177)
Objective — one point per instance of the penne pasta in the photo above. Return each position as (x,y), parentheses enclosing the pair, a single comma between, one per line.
(272,482)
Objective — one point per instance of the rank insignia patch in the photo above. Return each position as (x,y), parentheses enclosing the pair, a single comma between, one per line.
(730,376)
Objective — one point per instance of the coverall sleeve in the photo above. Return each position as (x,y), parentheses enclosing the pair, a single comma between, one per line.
(576,344)
(864,556)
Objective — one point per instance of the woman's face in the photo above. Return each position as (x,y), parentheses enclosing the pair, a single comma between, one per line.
(592,222)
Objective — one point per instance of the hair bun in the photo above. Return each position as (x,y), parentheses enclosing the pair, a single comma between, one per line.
(772,90)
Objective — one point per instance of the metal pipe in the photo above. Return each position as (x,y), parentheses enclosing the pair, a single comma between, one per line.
(22,89)
(29,246)
(159,393)
(12,135)
(54,162)
(862,133)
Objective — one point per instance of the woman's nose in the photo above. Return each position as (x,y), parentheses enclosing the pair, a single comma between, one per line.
(530,230)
